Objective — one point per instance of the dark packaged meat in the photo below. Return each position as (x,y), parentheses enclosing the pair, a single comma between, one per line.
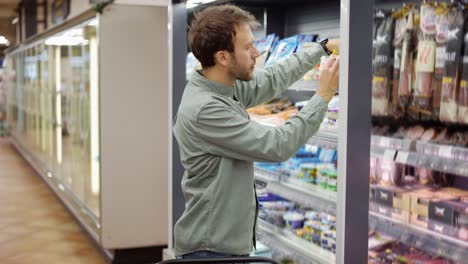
(383,65)
(441,38)
(450,84)
(425,62)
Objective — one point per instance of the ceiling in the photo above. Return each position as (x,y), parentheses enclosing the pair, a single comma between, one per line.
(7,13)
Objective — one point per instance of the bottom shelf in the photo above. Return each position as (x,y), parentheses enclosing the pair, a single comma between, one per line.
(288,245)
(424,239)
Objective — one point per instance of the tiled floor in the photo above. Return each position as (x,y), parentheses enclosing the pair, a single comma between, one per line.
(34,226)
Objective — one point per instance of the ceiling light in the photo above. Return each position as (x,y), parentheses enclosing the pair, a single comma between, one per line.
(4,41)
(194,3)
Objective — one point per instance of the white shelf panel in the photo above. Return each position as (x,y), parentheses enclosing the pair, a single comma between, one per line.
(288,245)
(421,238)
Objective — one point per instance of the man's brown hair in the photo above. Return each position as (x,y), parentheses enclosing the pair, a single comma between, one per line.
(214,29)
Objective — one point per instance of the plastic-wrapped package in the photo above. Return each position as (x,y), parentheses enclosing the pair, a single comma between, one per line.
(264,46)
(373,170)
(406,67)
(463,96)
(382,66)
(425,62)
(450,85)
(282,50)
(400,29)
(441,38)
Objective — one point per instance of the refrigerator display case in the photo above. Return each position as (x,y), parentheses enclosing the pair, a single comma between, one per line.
(418,146)
(95,123)
(326,223)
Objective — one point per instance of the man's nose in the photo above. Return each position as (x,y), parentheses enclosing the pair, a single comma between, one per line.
(256,53)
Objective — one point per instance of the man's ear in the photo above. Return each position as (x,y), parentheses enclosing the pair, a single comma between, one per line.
(222,57)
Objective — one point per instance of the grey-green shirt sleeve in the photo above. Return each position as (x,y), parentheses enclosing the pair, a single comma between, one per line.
(227,133)
(274,80)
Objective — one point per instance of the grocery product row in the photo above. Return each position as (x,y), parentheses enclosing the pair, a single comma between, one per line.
(420,69)
(385,249)
(305,235)
(422,200)
(438,148)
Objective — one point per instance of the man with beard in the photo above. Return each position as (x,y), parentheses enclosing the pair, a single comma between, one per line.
(218,141)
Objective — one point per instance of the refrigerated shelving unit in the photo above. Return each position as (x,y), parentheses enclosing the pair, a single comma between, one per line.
(417,153)
(96,129)
(353,23)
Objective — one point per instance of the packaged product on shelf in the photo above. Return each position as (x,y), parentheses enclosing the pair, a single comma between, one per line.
(463,96)
(332,181)
(373,170)
(400,28)
(305,40)
(389,173)
(429,135)
(441,38)
(264,47)
(449,217)
(294,220)
(283,50)
(328,155)
(450,85)
(406,67)
(415,133)
(308,172)
(425,62)
(274,211)
(398,252)
(382,66)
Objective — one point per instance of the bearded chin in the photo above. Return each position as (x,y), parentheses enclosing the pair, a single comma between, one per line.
(238,74)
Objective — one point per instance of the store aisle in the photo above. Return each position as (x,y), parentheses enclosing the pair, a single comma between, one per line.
(34,225)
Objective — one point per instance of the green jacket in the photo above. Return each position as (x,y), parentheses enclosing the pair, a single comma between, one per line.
(218,145)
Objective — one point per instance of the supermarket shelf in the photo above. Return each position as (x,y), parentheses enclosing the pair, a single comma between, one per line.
(324,139)
(299,96)
(441,158)
(298,191)
(266,175)
(452,166)
(286,244)
(427,240)
(392,143)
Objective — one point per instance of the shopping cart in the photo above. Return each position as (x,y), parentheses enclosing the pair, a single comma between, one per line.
(220,260)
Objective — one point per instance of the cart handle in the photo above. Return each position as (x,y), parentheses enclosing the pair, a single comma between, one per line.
(221,260)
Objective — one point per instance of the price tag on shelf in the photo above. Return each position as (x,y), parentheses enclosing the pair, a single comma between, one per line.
(385,142)
(402,157)
(389,154)
(445,151)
